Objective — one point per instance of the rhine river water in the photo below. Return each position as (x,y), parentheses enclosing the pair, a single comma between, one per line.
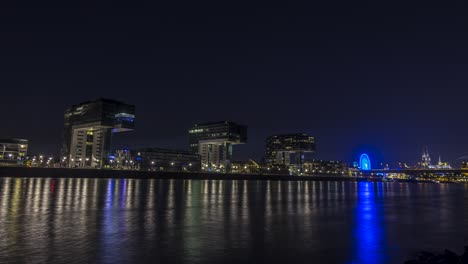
(221,221)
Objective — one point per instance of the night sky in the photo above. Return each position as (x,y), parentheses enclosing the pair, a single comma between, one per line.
(386,77)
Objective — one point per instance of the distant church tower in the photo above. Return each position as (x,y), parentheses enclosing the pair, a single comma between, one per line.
(426,158)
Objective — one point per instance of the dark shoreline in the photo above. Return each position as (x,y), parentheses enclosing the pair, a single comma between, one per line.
(25,172)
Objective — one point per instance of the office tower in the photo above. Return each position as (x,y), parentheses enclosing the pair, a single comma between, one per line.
(214,142)
(88,131)
(280,148)
(13,151)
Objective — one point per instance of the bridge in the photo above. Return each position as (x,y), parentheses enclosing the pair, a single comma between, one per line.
(420,172)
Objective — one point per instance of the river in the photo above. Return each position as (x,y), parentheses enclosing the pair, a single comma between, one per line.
(70,220)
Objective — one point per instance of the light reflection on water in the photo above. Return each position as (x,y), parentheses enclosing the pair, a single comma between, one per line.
(206,221)
(369,230)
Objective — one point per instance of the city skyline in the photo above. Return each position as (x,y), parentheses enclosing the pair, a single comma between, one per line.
(128,141)
(84,117)
(359,82)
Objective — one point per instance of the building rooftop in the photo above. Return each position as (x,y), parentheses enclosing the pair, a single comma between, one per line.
(13,140)
(291,135)
(216,123)
(163,150)
(100,99)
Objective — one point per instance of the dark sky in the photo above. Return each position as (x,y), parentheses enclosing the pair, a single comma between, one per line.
(387,77)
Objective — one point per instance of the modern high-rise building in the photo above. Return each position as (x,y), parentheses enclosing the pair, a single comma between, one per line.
(88,130)
(280,148)
(214,141)
(13,151)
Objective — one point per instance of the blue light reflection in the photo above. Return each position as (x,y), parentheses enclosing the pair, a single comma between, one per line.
(369,230)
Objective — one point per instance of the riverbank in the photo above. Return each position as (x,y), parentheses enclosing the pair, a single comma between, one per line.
(134,174)
(444,257)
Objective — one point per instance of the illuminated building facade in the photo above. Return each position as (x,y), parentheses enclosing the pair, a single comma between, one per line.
(88,130)
(156,159)
(443,165)
(13,151)
(280,148)
(426,159)
(246,167)
(214,142)
(427,164)
(325,167)
(123,159)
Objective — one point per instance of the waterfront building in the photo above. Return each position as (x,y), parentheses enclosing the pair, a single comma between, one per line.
(214,142)
(325,167)
(13,151)
(156,159)
(246,167)
(88,130)
(123,159)
(426,162)
(281,148)
(159,159)
(443,164)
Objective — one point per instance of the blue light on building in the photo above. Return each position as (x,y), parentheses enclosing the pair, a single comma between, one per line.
(364,162)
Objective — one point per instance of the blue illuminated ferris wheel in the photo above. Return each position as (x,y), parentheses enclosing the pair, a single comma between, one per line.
(364,162)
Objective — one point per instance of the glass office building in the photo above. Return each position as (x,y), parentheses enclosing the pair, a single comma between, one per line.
(88,130)
(280,148)
(13,151)
(214,142)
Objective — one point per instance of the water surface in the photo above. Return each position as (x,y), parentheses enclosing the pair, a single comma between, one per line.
(208,221)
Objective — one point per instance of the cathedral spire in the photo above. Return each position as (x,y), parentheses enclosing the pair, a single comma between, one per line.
(426,158)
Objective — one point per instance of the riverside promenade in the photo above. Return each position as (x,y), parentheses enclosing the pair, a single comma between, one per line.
(32,172)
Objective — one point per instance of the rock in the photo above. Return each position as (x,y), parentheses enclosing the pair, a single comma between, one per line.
(425,256)
(415,262)
(451,257)
(464,258)
(447,257)
(450,253)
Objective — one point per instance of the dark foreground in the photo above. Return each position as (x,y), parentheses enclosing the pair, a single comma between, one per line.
(66,220)
(445,257)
